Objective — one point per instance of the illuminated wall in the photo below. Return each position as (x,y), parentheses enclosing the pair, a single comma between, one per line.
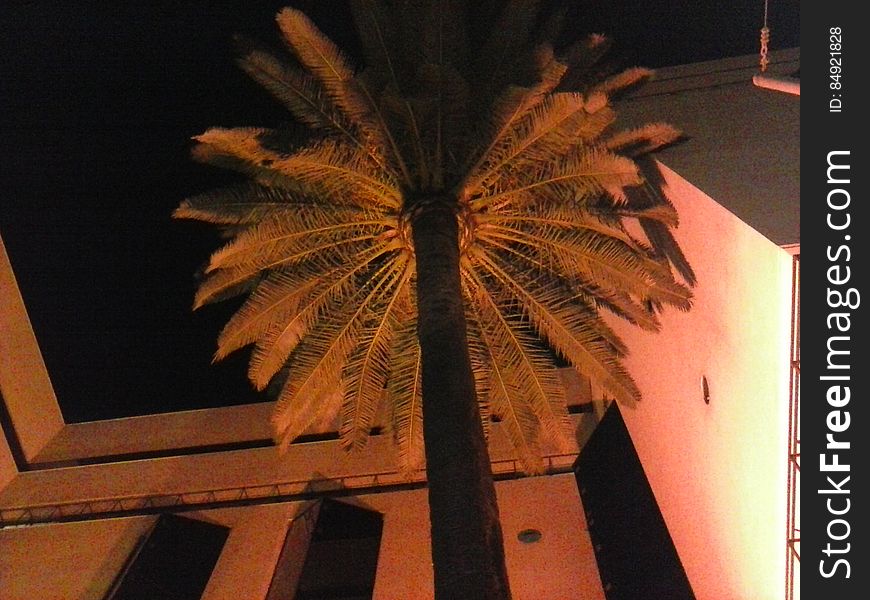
(31,407)
(718,470)
(66,561)
(80,560)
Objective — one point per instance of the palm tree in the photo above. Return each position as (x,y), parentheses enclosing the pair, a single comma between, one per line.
(439,232)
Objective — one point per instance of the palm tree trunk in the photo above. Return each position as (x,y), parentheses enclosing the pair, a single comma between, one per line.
(467,545)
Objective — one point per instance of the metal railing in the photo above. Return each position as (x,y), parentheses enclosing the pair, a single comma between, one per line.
(286,491)
(793,526)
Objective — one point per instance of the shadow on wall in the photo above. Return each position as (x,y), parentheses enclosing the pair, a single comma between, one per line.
(634,550)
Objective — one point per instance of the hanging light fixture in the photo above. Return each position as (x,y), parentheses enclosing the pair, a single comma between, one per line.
(789,85)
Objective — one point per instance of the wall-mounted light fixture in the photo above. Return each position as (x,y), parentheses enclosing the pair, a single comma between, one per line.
(529,536)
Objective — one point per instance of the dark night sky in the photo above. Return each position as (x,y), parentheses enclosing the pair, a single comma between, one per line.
(97,107)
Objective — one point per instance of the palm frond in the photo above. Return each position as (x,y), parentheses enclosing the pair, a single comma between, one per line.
(577,177)
(287,236)
(565,216)
(574,289)
(368,370)
(405,394)
(379,127)
(276,297)
(300,413)
(545,118)
(561,123)
(506,398)
(261,174)
(220,286)
(387,74)
(480,360)
(642,140)
(587,127)
(281,338)
(293,298)
(514,103)
(241,204)
(300,93)
(551,223)
(623,81)
(324,352)
(326,168)
(354,99)
(531,369)
(568,330)
(216,285)
(604,262)
(319,55)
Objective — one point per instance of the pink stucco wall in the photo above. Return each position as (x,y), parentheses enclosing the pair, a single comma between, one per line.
(718,471)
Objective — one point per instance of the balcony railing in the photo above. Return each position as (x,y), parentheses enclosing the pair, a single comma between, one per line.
(793,512)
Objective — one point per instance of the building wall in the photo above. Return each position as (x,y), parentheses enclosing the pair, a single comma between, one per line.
(25,388)
(742,144)
(161,432)
(99,440)
(8,469)
(68,561)
(718,470)
(79,560)
(561,565)
(247,562)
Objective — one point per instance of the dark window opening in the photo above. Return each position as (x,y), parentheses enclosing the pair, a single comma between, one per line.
(173,562)
(7,429)
(634,550)
(342,557)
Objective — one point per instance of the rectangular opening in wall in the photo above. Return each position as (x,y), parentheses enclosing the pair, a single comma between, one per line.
(7,430)
(342,558)
(174,562)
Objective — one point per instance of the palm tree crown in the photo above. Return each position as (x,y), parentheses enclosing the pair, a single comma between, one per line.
(517,139)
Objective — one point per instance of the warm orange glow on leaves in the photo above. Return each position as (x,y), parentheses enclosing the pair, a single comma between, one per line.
(322,246)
